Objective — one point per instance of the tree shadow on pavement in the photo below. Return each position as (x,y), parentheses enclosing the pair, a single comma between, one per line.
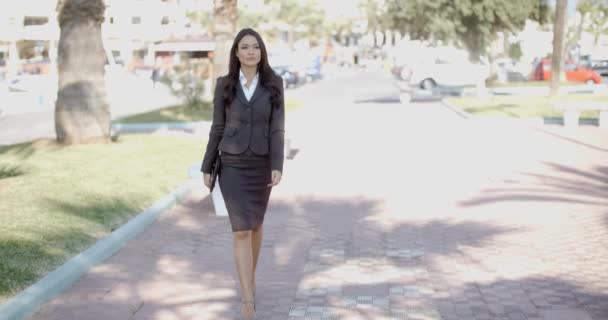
(560,184)
(346,257)
(531,298)
(182,266)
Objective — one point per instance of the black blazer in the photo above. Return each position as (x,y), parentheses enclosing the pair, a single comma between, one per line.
(254,124)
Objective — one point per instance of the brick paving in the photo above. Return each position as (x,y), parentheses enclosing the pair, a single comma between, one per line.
(467,220)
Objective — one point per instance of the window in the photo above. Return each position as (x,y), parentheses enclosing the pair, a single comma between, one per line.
(111,20)
(135,20)
(165,20)
(35,21)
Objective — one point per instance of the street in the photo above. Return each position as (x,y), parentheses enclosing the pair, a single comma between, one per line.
(24,119)
(387,211)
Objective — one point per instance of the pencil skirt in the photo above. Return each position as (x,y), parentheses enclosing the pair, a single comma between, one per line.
(244,180)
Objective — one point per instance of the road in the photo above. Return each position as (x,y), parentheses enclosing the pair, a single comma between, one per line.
(24,119)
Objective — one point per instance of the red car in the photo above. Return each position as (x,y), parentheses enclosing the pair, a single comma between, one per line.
(574,72)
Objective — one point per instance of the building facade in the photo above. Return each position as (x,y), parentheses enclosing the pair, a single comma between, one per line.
(29,30)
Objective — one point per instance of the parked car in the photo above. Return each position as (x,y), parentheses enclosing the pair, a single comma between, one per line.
(401,72)
(574,72)
(601,67)
(33,83)
(313,69)
(430,72)
(290,77)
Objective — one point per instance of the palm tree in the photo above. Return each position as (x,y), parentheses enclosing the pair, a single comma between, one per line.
(82,113)
(225,17)
(558,44)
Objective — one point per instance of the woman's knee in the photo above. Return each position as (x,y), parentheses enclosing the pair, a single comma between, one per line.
(257,228)
(242,235)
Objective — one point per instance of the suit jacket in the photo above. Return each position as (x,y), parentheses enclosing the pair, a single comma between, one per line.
(253,124)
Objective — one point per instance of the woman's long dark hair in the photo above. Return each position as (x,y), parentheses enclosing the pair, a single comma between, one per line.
(268,78)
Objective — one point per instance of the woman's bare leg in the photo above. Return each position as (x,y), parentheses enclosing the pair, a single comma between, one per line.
(256,238)
(243,255)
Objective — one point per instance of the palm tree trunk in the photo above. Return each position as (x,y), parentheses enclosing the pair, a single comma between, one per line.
(82,113)
(383,37)
(506,44)
(225,16)
(291,36)
(558,44)
(375,37)
(13,59)
(579,29)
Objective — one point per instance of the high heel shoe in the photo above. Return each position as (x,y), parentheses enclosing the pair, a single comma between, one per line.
(243,304)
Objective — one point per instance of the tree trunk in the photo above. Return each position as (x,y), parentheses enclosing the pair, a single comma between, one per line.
(82,113)
(558,44)
(506,44)
(291,37)
(225,16)
(579,29)
(375,38)
(13,60)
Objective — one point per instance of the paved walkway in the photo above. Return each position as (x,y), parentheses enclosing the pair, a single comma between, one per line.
(387,212)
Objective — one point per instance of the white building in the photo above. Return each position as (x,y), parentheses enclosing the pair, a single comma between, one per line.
(130,29)
(133,26)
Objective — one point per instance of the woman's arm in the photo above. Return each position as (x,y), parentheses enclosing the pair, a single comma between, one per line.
(277,134)
(217,127)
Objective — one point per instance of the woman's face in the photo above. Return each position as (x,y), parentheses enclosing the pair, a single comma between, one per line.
(248,51)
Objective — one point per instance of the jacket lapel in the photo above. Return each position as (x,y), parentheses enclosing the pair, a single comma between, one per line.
(259,91)
(241,94)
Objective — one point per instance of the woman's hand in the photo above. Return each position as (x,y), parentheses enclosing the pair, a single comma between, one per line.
(207,179)
(276,178)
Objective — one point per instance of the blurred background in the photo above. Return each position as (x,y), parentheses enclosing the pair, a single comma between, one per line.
(147,42)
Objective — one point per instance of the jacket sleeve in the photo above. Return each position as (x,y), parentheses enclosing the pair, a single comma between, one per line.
(217,127)
(277,134)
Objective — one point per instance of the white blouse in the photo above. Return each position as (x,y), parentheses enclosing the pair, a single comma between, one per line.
(254,83)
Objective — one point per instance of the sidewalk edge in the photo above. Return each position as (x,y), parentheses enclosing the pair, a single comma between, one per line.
(463,114)
(29,301)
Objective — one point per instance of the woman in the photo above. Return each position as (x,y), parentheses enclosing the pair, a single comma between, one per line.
(248,129)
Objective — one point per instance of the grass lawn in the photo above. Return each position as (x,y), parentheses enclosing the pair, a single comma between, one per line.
(523,107)
(182,114)
(57,201)
(543,83)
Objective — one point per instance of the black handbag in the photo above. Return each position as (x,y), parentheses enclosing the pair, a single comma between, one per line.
(215,169)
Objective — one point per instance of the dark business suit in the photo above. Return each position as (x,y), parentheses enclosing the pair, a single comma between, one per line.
(246,124)
(250,136)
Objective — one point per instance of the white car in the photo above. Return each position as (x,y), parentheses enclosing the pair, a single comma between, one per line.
(431,69)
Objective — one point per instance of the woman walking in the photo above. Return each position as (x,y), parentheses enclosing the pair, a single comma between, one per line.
(247,133)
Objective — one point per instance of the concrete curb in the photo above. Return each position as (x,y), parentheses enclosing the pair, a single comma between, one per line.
(30,300)
(529,121)
(190,127)
(463,114)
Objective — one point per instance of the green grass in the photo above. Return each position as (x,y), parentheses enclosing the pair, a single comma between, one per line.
(181,113)
(523,107)
(56,201)
(543,83)
(291,105)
